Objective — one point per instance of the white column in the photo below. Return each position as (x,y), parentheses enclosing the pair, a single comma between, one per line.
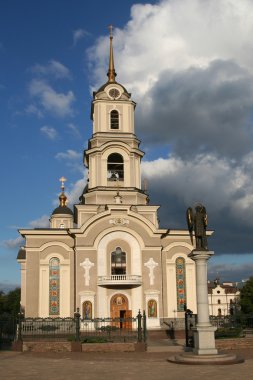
(204,340)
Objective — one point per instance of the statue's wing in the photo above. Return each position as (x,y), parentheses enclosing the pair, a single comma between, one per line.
(189,218)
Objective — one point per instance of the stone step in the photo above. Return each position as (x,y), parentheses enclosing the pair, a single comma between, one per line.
(165,334)
(165,348)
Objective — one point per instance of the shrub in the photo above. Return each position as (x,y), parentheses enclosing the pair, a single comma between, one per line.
(95,339)
(228,333)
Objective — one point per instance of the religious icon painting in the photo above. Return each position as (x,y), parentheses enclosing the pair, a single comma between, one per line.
(87,310)
(152,309)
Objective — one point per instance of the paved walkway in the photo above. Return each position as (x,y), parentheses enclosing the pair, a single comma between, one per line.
(108,366)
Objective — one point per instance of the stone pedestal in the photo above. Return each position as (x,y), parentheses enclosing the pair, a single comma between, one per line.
(204,351)
(204,339)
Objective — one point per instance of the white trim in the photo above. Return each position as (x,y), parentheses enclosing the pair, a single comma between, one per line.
(178,244)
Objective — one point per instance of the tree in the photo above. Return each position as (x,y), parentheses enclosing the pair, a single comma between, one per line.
(246,297)
(10,303)
(2,301)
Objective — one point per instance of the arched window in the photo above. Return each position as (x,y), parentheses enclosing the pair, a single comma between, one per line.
(118,261)
(115,167)
(54,286)
(152,309)
(219,301)
(114,119)
(181,287)
(87,310)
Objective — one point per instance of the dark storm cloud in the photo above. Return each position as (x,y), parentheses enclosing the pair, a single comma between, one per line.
(200,110)
(225,190)
(226,272)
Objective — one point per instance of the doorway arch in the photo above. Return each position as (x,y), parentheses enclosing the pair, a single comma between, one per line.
(119,309)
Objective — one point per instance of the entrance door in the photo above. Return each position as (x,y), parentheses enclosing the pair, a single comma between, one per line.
(119,310)
(127,323)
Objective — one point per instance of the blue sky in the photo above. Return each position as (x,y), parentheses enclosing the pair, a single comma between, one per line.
(191,80)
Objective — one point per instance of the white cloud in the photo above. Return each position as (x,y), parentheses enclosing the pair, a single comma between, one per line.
(53,68)
(79,34)
(34,110)
(193,181)
(73,130)
(59,104)
(42,222)
(76,190)
(49,132)
(68,155)
(72,159)
(13,243)
(176,35)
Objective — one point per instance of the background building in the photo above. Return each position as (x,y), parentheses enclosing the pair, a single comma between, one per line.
(223,298)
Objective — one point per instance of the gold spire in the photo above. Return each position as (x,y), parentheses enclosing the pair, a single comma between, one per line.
(111,71)
(62,197)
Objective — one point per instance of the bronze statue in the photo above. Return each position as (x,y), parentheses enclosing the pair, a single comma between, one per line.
(197,222)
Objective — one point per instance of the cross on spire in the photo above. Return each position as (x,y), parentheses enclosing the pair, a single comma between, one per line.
(62,197)
(110,27)
(111,70)
(62,180)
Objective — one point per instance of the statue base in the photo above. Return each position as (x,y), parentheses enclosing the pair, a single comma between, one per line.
(204,340)
(219,359)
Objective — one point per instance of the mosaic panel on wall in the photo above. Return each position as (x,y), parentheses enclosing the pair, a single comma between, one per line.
(181,286)
(87,310)
(54,286)
(152,309)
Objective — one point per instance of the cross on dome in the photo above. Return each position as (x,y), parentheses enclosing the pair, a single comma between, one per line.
(62,180)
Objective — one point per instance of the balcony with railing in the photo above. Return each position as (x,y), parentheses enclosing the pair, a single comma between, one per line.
(120,280)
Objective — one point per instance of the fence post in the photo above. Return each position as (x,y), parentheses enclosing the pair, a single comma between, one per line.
(77,321)
(188,314)
(20,318)
(144,326)
(139,318)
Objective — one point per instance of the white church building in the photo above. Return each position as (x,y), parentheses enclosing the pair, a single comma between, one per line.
(108,256)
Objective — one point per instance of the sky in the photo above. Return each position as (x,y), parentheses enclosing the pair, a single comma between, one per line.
(189,67)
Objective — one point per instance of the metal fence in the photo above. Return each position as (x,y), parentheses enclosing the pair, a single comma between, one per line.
(8,329)
(233,321)
(85,330)
(47,328)
(116,330)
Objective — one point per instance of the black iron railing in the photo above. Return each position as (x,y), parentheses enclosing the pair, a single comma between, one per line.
(8,331)
(85,330)
(230,321)
(47,328)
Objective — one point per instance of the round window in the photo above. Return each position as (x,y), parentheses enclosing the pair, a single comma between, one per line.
(114,93)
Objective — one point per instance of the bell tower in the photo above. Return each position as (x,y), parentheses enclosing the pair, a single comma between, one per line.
(113,156)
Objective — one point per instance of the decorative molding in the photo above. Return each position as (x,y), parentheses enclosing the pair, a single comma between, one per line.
(119,221)
(151,264)
(87,265)
(87,293)
(151,292)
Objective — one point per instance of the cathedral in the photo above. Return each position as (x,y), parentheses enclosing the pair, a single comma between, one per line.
(108,256)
